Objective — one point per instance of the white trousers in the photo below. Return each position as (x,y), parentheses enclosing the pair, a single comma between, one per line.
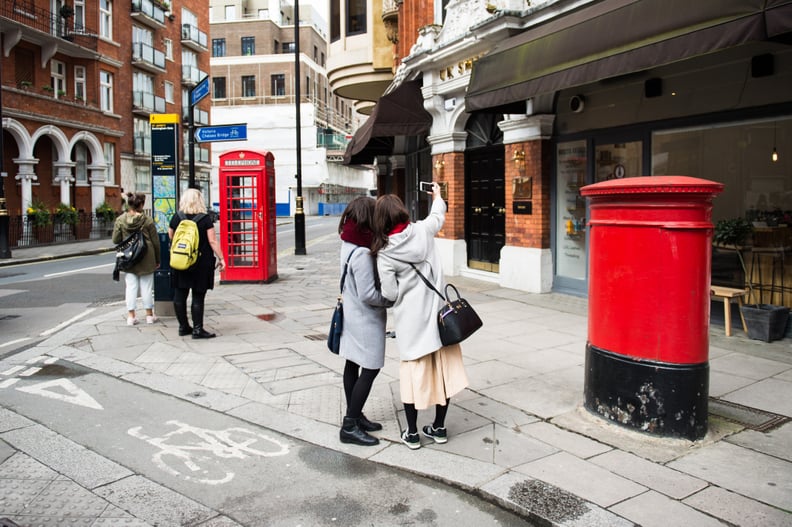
(144,284)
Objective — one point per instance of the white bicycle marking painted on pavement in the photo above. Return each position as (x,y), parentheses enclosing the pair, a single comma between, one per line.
(197,459)
(59,389)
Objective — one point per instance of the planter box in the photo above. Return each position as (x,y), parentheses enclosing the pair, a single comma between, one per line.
(765,322)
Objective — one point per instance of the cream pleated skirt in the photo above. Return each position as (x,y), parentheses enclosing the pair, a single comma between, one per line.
(433,378)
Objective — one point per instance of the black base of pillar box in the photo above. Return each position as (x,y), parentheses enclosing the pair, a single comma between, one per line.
(659,398)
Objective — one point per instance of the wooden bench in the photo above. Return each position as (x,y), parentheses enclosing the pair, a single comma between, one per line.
(727,293)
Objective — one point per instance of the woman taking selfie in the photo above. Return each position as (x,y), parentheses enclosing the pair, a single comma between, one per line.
(429,373)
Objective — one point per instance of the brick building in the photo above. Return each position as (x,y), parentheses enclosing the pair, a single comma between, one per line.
(79,82)
(516,105)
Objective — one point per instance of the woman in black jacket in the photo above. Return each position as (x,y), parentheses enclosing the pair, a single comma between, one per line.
(200,277)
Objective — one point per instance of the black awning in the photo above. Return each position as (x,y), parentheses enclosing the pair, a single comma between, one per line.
(616,37)
(400,112)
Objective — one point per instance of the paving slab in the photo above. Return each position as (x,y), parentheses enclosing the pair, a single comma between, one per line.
(737,509)
(576,444)
(662,479)
(776,442)
(154,503)
(581,478)
(752,474)
(771,395)
(536,396)
(497,444)
(70,459)
(652,509)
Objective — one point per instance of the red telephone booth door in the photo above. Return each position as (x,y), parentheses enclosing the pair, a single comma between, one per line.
(247,216)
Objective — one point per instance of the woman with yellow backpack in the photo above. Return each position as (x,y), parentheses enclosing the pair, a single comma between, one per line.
(199,277)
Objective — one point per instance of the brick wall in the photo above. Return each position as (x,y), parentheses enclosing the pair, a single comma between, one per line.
(454,175)
(530,230)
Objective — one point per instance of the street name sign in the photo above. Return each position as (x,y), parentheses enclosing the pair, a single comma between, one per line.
(228,132)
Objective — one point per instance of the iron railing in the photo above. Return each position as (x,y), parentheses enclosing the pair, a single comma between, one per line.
(23,233)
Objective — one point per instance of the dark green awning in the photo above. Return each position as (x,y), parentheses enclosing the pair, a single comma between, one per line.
(617,37)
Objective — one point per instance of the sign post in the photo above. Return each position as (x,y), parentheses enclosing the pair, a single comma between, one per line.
(165,199)
(197,93)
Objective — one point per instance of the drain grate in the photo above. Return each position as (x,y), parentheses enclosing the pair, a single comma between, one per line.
(752,418)
(317,336)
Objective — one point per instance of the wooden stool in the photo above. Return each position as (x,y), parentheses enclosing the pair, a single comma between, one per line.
(727,293)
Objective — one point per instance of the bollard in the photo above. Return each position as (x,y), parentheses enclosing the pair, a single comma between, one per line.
(650,251)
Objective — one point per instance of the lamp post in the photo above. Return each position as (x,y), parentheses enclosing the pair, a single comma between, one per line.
(299,214)
(5,251)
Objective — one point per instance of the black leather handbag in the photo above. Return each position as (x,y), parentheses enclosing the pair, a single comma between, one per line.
(457,319)
(129,252)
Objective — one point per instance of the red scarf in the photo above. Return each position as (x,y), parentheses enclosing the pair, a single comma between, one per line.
(351,233)
(398,228)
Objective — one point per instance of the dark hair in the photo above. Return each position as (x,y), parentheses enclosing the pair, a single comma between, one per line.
(136,201)
(361,211)
(389,212)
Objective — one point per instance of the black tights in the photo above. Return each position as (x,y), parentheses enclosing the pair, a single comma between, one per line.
(411,414)
(357,386)
(196,307)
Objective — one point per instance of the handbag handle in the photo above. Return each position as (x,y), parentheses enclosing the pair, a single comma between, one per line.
(343,275)
(426,280)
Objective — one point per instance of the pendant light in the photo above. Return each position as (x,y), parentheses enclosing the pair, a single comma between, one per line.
(774,155)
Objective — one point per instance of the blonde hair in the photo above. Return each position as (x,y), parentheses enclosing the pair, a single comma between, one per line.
(192,202)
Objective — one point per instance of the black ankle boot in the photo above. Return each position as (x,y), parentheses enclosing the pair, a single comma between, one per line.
(369,426)
(352,433)
(181,315)
(201,333)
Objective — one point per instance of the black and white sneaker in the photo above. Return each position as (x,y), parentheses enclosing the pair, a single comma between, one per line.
(439,435)
(413,441)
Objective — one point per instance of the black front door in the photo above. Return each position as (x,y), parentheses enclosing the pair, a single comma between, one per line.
(485,210)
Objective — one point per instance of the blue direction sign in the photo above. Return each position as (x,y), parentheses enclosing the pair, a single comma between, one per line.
(200,91)
(228,132)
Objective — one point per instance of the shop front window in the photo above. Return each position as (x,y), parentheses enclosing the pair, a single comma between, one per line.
(571,210)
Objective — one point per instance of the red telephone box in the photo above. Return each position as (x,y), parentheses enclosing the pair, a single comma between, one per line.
(247,216)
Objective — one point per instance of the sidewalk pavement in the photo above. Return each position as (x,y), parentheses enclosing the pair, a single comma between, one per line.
(517,436)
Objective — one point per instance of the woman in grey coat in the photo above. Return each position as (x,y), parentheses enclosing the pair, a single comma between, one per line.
(140,277)
(363,338)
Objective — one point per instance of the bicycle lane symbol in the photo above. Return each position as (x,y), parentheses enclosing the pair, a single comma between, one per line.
(196,454)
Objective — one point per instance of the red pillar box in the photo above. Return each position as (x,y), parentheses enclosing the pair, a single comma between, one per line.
(247,216)
(650,248)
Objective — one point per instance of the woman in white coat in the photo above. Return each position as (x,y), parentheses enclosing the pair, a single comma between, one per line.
(363,338)
(429,373)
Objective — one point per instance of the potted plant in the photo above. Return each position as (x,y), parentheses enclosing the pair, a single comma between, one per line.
(66,214)
(105,212)
(25,85)
(39,216)
(764,321)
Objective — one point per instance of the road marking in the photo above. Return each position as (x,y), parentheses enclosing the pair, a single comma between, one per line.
(196,459)
(59,389)
(73,395)
(78,270)
(9,372)
(12,342)
(66,323)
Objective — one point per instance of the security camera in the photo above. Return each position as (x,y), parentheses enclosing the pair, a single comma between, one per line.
(576,103)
